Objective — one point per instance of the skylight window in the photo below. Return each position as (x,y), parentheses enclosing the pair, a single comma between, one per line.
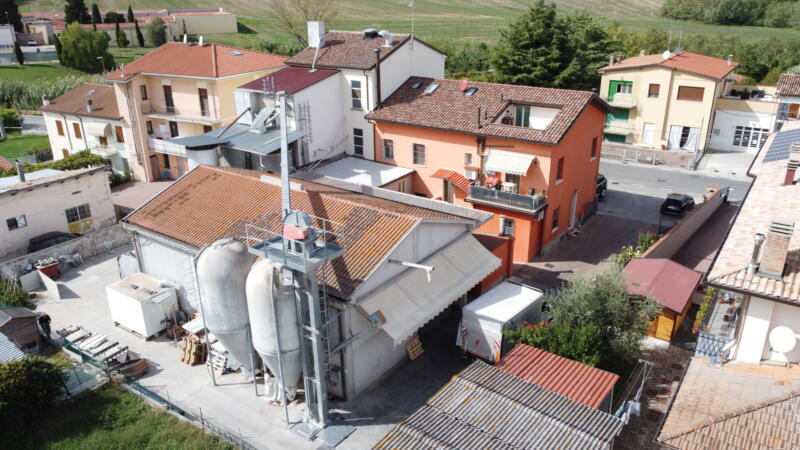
(416,85)
(471,91)
(431,87)
(236,53)
(91,92)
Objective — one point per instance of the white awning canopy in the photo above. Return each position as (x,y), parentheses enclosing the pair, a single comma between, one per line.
(409,301)
(508,162)
(98,128)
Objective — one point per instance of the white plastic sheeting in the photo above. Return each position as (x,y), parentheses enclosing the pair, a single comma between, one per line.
(508,162)
(409,301)
(264,285)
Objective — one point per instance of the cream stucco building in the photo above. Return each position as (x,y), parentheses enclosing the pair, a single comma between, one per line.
(665,101)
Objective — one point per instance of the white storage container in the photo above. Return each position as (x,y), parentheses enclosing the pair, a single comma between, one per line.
(139,304)
(484,319)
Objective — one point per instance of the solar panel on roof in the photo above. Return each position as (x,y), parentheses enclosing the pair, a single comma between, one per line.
(781,145)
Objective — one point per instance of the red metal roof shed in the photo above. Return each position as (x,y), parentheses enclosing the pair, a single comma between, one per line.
(577,381)
(289,79)
(662,280)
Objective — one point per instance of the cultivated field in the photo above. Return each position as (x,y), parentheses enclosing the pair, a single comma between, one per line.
(434,19)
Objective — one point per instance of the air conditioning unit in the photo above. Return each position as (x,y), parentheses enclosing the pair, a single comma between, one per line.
(471,174)
(509,187)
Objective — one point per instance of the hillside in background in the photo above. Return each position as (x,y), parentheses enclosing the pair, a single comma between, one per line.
(464,20)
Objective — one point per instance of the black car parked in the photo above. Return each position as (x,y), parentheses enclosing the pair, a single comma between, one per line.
(602,184)
(50,239)
(677,204)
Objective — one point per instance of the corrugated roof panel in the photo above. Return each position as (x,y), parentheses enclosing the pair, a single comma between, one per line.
(9,351)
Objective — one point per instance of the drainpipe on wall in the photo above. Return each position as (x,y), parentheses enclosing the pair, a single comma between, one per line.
(378,77)
(83,133)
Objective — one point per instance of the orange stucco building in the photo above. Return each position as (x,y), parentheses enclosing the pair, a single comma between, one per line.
(530,155)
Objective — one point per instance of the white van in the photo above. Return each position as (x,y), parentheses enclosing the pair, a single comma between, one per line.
(483,320)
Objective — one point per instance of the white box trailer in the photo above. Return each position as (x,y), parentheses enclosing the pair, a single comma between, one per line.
(142,303)
(504,306)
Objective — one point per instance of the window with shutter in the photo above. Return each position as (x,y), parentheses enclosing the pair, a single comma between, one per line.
(690,93)
(653,90)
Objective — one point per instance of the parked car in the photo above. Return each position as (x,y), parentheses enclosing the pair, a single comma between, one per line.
(50,239)
(677,204)
(602,184)
(32,43)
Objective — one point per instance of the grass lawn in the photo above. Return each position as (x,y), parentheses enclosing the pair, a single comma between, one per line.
(36,72)
(115,419)
(20,144)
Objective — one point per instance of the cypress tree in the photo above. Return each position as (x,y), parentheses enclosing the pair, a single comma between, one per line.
(18,53)
(57,43)
(122,38)
(139,35)
(96,16)
(130,14)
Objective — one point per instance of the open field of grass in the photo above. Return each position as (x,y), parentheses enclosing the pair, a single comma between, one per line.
(36,72)
(435,19)
(113,418)
(20,144)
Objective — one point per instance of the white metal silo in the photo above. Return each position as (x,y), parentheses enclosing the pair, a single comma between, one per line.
(271,310)
(222,271)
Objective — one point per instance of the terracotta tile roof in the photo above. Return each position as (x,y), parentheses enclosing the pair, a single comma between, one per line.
(347,50)
(5,164)
(581,383)
(789,84)
(662,280)
(767,199)
(289,79)
(695,63)
(458,180)
(104,102)
(447,108)
(211,203)
(737,406)
(191,60)
(490,241)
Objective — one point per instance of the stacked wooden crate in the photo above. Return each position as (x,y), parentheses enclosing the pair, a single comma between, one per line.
(218,359)
(193,350)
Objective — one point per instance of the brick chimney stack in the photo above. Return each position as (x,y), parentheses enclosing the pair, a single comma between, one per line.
(791,170)
(776,247)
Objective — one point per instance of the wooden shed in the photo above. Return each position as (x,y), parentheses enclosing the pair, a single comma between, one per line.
(20,325)
(667,283)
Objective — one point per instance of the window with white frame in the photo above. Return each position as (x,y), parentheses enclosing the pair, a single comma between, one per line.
(388,149)
(419,155)
(506,226)
(355,93)
(358,141)
(624,89)
(512,183)
(16,222)
(467,159)
(750,137)
(78,213)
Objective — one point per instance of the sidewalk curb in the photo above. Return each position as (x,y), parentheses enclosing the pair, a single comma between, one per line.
(736,177)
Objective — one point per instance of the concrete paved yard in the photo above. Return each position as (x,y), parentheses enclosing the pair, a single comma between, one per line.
(233,405)
(601,236)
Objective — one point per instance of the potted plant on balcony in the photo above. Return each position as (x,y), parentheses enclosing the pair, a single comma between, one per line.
(493,183)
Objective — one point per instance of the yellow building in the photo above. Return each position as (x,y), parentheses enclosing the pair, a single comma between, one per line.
(665,101)
(181,90)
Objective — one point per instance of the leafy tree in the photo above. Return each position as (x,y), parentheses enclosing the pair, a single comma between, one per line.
(14,18)
(122,38)
(80,49)
(156,32)
(131,18)
(57,43)
(18,53)
(735,12)
(29,388)
(11,118)
(96,16)
(595,321)
(114,17)
(75,11)
(292,15)
(139,36)
(11,293)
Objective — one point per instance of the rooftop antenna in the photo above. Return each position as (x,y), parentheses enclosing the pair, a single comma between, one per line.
(411,5)
(669,41)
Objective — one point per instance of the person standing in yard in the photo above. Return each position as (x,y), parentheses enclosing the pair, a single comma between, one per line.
(44,322)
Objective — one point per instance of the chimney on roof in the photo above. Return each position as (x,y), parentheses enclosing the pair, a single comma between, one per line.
(200,41)
(20,170)
(791,170)
(45,100)
(388,40)
(776,246)
(185,38)
(611,60)
(89,106)
(641,52)
(370,33)
(752,266)
(730,60)
(378,77)
(316,34)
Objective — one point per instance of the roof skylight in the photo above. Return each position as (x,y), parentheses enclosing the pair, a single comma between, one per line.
(431,87)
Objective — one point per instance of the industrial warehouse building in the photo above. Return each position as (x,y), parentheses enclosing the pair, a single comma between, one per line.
(380,230)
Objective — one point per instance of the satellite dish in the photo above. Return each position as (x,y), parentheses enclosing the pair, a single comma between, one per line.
(782,339)
(666,54)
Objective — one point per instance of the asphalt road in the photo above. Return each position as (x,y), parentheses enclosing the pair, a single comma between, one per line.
(636,191)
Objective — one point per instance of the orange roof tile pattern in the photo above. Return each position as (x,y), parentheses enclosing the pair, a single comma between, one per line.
(5,164)
(743,406)
(347,50)
(205,61)
(695,63)
(449,108)
(789,84)
(104,102)
(768,198)
(212,203)
(458,180)
(577,381)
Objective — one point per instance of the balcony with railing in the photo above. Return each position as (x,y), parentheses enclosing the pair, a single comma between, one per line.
(506,200)
(624,101)
(206,116)
(159,145)
(719,326)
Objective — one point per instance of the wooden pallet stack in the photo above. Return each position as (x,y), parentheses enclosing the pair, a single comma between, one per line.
(193,350)
(218,359)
